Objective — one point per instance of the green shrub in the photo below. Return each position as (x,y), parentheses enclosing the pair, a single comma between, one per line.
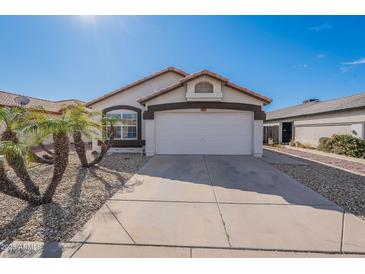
(325,144)
(349,145)
(345,144)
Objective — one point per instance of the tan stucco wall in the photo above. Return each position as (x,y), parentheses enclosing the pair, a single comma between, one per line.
(310,134)
(229,95)
(232,95)
(130,97)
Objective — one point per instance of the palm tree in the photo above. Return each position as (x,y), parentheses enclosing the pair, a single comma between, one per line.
(84,125)
(13,119)
(14,150)
(10,188)
(59,128)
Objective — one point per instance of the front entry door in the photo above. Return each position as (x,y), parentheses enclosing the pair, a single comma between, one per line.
(287,132)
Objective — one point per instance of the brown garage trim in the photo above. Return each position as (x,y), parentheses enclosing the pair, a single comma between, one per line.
(258,113)
(128,143)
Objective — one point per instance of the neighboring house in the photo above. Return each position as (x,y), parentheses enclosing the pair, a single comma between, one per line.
(53,108)
(8,99)
(313,119)
(173,112)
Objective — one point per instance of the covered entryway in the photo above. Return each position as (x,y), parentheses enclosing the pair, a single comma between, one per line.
(187,132)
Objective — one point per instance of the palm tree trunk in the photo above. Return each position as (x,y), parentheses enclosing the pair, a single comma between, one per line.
(80,148)
(61,151)
(18,164)
(10,188)
(104,148)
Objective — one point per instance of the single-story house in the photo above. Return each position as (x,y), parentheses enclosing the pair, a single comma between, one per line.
(313,119)
(52,108)
(9,99)
(173,112)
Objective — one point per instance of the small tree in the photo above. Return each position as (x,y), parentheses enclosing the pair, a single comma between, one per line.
(14,119)
(16,152)
(84,124)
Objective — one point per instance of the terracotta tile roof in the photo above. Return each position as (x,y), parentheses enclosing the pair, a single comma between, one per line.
(124,88)
(7,99)
(204,72)
(317,107)
(187,78)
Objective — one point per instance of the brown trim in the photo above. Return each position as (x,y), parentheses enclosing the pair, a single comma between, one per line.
(258,113)
(126,143)
(181,82)
(138,82)
(316,113)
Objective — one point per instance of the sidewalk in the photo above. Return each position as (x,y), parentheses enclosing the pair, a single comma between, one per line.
(19,249)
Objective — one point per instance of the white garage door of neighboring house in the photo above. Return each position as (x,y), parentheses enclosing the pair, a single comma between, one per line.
(226,133)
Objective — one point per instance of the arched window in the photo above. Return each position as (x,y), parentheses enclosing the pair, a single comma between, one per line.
(204,87)
(126,127)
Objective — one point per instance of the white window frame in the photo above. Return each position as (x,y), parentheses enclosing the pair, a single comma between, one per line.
(121,126)
(204,83)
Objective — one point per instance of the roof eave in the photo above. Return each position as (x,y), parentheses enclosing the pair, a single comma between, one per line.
(136,83)
(316,113)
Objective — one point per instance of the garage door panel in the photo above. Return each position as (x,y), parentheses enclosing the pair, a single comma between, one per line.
(204,133)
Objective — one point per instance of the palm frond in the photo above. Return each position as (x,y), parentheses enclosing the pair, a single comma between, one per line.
(14,150)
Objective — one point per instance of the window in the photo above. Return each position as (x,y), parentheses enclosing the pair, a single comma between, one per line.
(204,87)
(126,129)
(113,115)
(117,132)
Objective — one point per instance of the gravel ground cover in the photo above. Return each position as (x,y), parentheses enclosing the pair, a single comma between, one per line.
(81,193)
(350,165)
(343,188)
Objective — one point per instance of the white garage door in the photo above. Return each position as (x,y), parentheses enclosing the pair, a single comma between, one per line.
(226,133)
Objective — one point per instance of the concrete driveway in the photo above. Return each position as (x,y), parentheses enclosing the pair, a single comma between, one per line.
(200,203)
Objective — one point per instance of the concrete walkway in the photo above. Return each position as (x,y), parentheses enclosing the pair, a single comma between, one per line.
(215,206)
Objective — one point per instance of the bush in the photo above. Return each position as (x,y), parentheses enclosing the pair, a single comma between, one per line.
(348,145)
(345,144)
(325,144)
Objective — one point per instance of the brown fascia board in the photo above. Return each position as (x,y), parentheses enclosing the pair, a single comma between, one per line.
(138,82)
(181,82)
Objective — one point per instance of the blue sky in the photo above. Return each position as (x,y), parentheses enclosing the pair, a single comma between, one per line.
(288,58)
